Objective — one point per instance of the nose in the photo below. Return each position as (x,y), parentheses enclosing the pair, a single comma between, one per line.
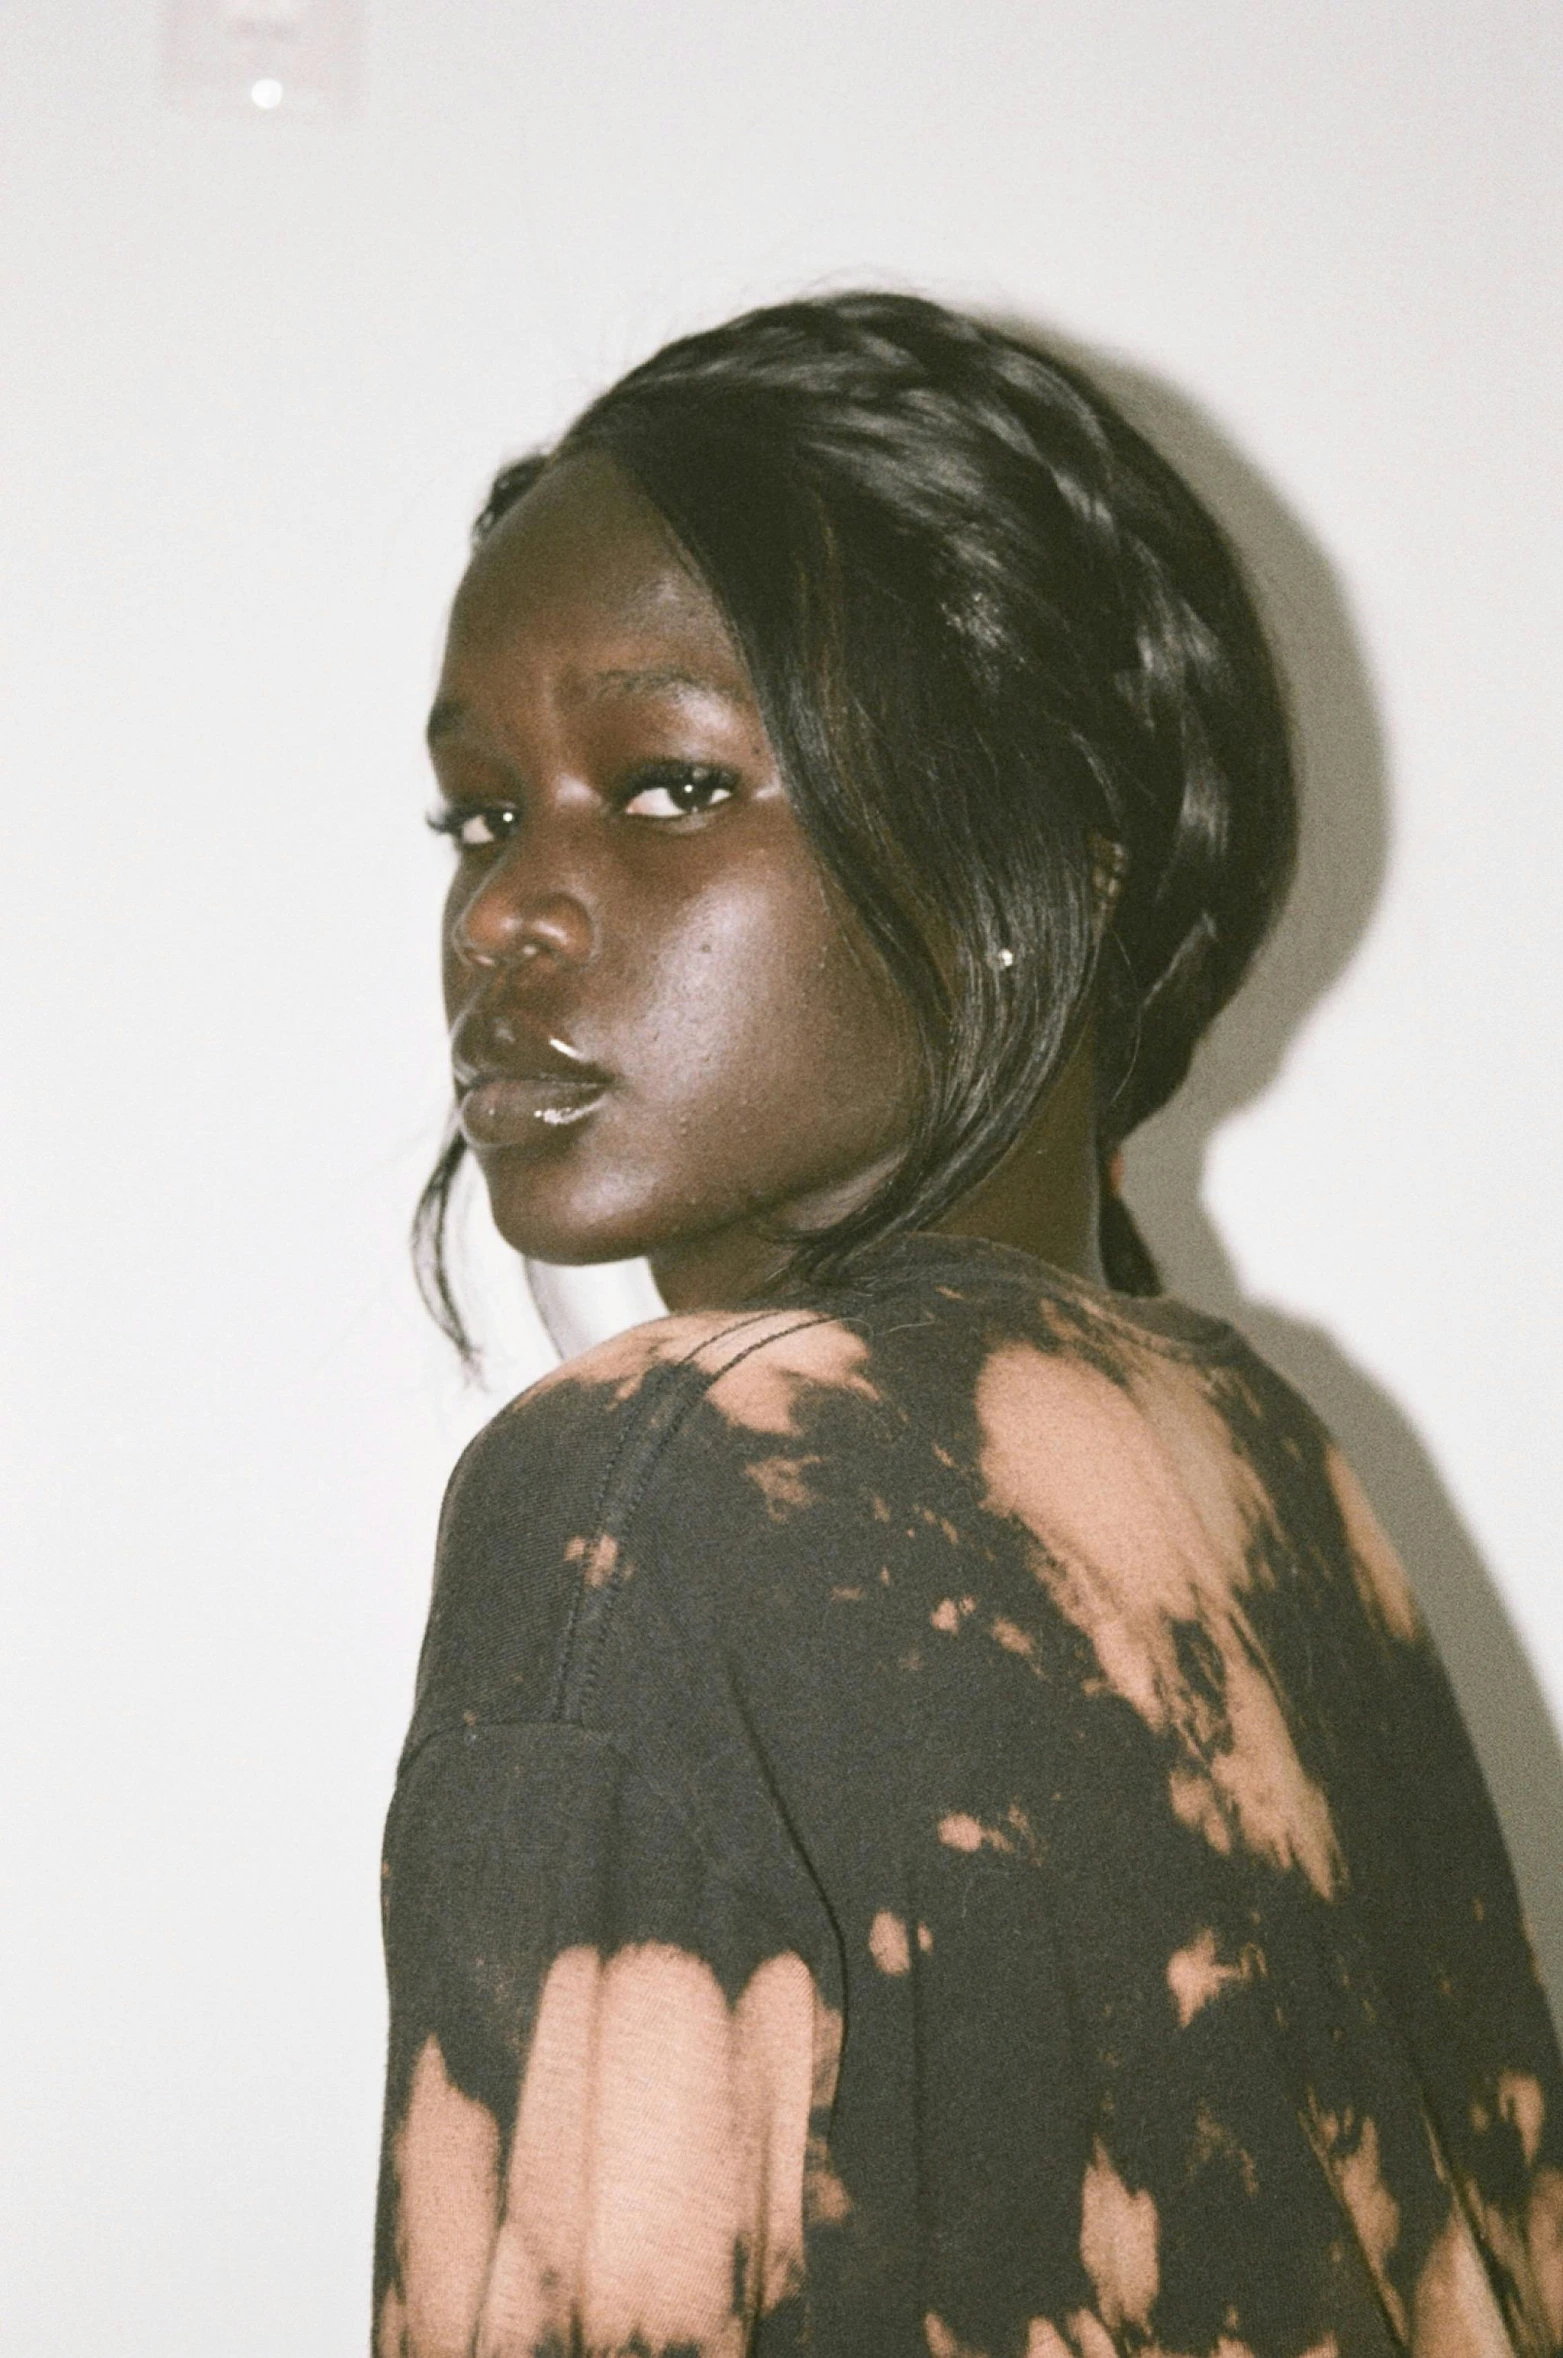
(512,920)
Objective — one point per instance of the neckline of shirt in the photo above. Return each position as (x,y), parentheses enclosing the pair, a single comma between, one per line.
(1160,1322)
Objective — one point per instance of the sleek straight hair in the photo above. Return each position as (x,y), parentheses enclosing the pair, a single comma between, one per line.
(1018,690)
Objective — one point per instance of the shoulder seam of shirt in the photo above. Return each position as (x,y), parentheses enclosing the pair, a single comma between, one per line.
(626,1478)
(610,1740)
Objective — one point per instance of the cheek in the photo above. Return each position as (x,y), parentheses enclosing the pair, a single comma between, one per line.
(761,1015)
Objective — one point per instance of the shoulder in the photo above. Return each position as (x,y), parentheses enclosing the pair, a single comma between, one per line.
(969,1347)
(541,1503)
(965,1387)
(750,1362)
(607,1421)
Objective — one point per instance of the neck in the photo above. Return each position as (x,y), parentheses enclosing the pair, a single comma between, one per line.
(1045,1196)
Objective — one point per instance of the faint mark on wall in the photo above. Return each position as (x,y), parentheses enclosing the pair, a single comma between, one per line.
(261,57)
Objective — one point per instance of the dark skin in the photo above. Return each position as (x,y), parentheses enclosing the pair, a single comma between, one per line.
(667,1034)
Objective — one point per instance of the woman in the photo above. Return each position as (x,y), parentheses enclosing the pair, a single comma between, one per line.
(931,1821)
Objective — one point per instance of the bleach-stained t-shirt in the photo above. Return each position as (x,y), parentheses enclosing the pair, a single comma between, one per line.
(932,1825)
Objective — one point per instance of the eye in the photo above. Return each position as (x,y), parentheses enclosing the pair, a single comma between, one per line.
(678,790)
(476,830)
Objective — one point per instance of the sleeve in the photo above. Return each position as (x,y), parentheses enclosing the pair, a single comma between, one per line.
(1455,1952)
(601,2065)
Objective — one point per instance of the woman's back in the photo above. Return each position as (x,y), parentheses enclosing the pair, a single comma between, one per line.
(935,1826)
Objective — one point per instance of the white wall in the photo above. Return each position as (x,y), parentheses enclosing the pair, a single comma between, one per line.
(255,375)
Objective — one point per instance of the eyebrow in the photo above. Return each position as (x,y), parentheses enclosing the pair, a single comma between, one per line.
(449,712)
(652,682)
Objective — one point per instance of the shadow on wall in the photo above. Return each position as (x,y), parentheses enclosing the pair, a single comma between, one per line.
(1345,831)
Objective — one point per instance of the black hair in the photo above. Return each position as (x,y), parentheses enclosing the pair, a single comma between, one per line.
(1018,689)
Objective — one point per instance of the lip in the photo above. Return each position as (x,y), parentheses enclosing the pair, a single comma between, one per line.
(518,1109)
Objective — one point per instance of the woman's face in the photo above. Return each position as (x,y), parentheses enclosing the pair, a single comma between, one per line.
(663,1029)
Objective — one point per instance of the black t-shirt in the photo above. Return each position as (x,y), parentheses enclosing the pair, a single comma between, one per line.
(932,1825)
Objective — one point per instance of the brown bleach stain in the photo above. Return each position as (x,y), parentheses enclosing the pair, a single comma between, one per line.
(1381,1580)
(1196,1805)
(762,1389)
(1214,2141)
(1352,2165)
(658,2131)
(847,1593)
(1196,1974)
(1529,2248)
(960,1831)
(888,1943)
(932,1520)
(783,1484)
(942,2343)
(1014,1639)
(598,1558)
(760,1365)
(1020,1825)
(924,1938)
(1374,2210)
(1119,2233)
(1142,1510)
(826,2201)
(390,2339)
(1453,2311)
(1090,2336)
(624,1360)
(1544,2247)
(1527,2242)
(951,1612)
(447,2174)
(1523,2106)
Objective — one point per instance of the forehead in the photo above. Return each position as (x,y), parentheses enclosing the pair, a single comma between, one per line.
(583,570)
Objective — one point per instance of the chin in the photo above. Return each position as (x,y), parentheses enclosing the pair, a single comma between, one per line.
(572,1244)
(550,1223)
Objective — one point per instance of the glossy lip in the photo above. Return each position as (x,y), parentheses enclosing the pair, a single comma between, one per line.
(509,1109)
(514,1084)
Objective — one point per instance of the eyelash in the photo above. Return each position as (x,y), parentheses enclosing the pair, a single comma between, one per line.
(453,819)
